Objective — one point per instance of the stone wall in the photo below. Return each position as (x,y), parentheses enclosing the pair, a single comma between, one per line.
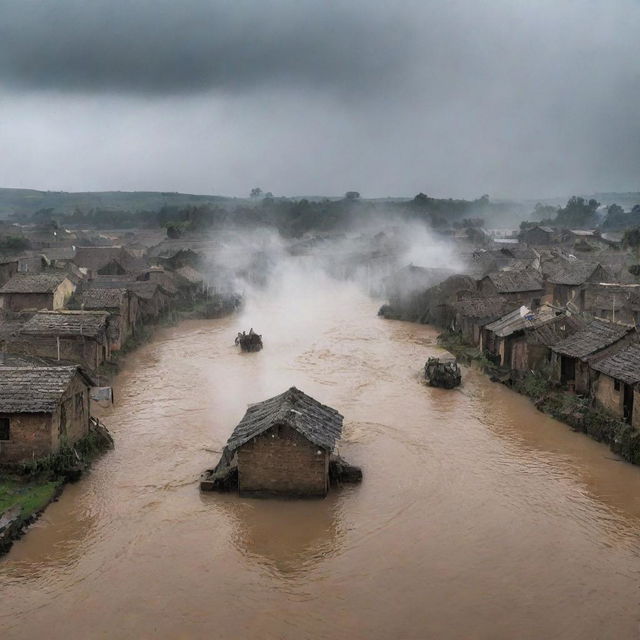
(282,462)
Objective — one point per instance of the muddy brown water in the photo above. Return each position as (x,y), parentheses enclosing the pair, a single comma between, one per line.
(478,516)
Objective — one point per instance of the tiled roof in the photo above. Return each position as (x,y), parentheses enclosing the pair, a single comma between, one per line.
(33,389)
(571,273)
(318,423)
(514,281)
(623,365)
(69,323)
(101,298)
(595,337)
(489,307)
(519,319)
(95,258)
(33,283)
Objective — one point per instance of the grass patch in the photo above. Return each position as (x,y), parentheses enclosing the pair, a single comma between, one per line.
(32,496)
(462,350)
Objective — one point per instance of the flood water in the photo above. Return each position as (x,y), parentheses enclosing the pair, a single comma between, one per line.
(478,516)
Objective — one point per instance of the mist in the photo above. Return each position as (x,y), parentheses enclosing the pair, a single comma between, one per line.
(451,99)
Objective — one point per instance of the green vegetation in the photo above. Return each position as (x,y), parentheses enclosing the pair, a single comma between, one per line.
(463,351)
(31,496)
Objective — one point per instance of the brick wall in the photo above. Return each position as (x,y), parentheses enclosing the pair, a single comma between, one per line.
(282,462)
(71,418)
(30,437)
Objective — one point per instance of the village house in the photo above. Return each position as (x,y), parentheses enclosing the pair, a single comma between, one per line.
(471,315)
(122,306)
(616,384)
(573,357)
(523,287)
(282,446)
(42,408)
(505,342)
(108,261)
(36,291)
(566,280)
(75,336)
(539,236)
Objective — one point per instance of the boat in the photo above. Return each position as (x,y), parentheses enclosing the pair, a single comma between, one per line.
(442,372)
(251,341)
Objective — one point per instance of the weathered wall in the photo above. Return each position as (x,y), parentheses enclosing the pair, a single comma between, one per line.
(72,415)
(606,395)
(62,294)
(80,349)
(21,301)
(282,462)
(7,271)
(30,437)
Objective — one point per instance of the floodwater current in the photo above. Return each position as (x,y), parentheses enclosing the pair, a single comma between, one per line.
(478,516)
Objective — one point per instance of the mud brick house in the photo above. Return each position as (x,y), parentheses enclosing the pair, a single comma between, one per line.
(76,336)
(110,261)
(616,384)
(36,291)
(282,446)
(41,409)
(566,280)
(122,306)
(539,236)
(8,269)
(471,315)
(573,358)
(523,287)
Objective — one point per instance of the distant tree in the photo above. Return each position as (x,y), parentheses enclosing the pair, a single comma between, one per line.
(268,194)
(578,213)
(174,231)
(544,211)
(352,195)
(14,243)
(631,238)
(256,192)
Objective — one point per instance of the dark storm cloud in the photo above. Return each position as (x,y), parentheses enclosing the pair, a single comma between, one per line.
(450,97)
(165,46)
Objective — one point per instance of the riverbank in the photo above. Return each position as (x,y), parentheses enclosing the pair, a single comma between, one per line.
(573,410)
(27,489)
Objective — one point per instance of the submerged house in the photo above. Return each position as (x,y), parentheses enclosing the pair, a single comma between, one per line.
(616,384)
(573,357)
(282,446)
(41,409)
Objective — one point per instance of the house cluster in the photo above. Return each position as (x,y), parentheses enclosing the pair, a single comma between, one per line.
(62,317)
(548,304)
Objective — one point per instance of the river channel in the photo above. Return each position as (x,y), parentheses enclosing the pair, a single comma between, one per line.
(478,516)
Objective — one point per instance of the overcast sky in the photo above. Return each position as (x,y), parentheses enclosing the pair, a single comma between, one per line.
(450,97)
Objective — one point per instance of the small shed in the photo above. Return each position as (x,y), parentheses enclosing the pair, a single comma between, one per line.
(539,235)
(571,357)
(282,446)
(41,409)
(566,280)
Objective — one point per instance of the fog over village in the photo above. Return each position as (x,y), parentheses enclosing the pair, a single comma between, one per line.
(319,319)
